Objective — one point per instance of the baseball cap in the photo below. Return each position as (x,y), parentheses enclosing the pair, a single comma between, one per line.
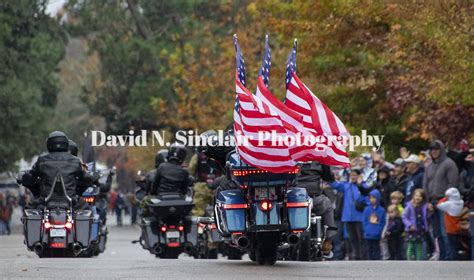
(413,158)
(399,162)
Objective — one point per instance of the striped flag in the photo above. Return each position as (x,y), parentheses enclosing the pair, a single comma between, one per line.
(251,117)
(316,117)
(292,121)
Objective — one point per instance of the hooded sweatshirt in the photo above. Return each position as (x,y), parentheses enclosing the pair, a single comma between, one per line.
(453,207)
(374,218)
(440,175)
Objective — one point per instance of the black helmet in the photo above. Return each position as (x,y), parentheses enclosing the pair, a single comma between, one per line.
(177,152)
(73,148)
(57,142)
(160,157)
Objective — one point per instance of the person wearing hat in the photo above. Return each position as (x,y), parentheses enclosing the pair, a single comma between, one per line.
(416,173)
(355,199)
(385,185)
(440,175)
(400,176)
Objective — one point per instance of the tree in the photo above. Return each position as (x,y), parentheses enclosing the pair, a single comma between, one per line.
(402,70)
(31,45)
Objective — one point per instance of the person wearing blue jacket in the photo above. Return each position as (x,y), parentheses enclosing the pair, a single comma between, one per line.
(351,215)
(373,222)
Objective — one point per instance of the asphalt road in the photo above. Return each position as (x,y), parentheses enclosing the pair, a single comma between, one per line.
(125,260)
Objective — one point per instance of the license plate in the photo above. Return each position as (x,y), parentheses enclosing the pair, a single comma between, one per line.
(172,234)
(265,193)
(57,232)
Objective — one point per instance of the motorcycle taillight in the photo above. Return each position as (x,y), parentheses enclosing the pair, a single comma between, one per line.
(266,205)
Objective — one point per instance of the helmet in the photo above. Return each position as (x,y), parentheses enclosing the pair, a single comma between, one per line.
(73,148)
(57,142)
(160,157)
(177,152)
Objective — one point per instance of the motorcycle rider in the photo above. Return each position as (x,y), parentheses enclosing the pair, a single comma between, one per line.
(160,157)
(104,187)
(58,161)
(310,178)
(171,176)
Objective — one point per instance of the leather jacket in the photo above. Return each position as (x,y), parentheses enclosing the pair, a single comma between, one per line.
(311,175)
(170,177)
(49,165)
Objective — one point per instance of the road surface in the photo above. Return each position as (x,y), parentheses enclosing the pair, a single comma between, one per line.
(125,260)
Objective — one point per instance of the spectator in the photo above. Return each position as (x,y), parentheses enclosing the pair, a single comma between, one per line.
(385,185)
(119,206)
(400,176)
(453,207)
(9,202)
(440,175)
(415,218)
(133,208)
(5,215)
(112,201)
(416,174)
(467,190)
(396,198)
(394,233)
(404,152)
(374,222)
(352,216)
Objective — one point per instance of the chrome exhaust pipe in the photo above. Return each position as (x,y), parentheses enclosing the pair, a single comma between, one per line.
(292,239)
(188,248)
(39,249)
(283,247)
(76,249)
(242,242)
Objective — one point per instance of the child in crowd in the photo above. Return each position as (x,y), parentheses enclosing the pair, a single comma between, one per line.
(373,222)
(453,206)
(415,217)
(396,198)
(394,232)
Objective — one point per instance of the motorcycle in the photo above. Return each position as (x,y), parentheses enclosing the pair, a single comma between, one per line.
(263,213)
(168,231)
(57,230)
(206,234)
(98,234)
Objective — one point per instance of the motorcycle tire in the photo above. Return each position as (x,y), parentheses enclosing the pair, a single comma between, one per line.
(304,249)
(169,254)
(213,254)
(266,253)
(234,254)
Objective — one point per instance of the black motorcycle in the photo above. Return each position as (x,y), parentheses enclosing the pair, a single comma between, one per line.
(57,229)
(167,230)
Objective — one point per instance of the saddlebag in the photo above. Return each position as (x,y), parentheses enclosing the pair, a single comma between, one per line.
(150,232)
(82,228)
(32,227)
(299,208)
(231,211)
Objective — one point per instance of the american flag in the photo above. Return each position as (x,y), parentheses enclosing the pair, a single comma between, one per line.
(291,120)
(251,116)
(316,117)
